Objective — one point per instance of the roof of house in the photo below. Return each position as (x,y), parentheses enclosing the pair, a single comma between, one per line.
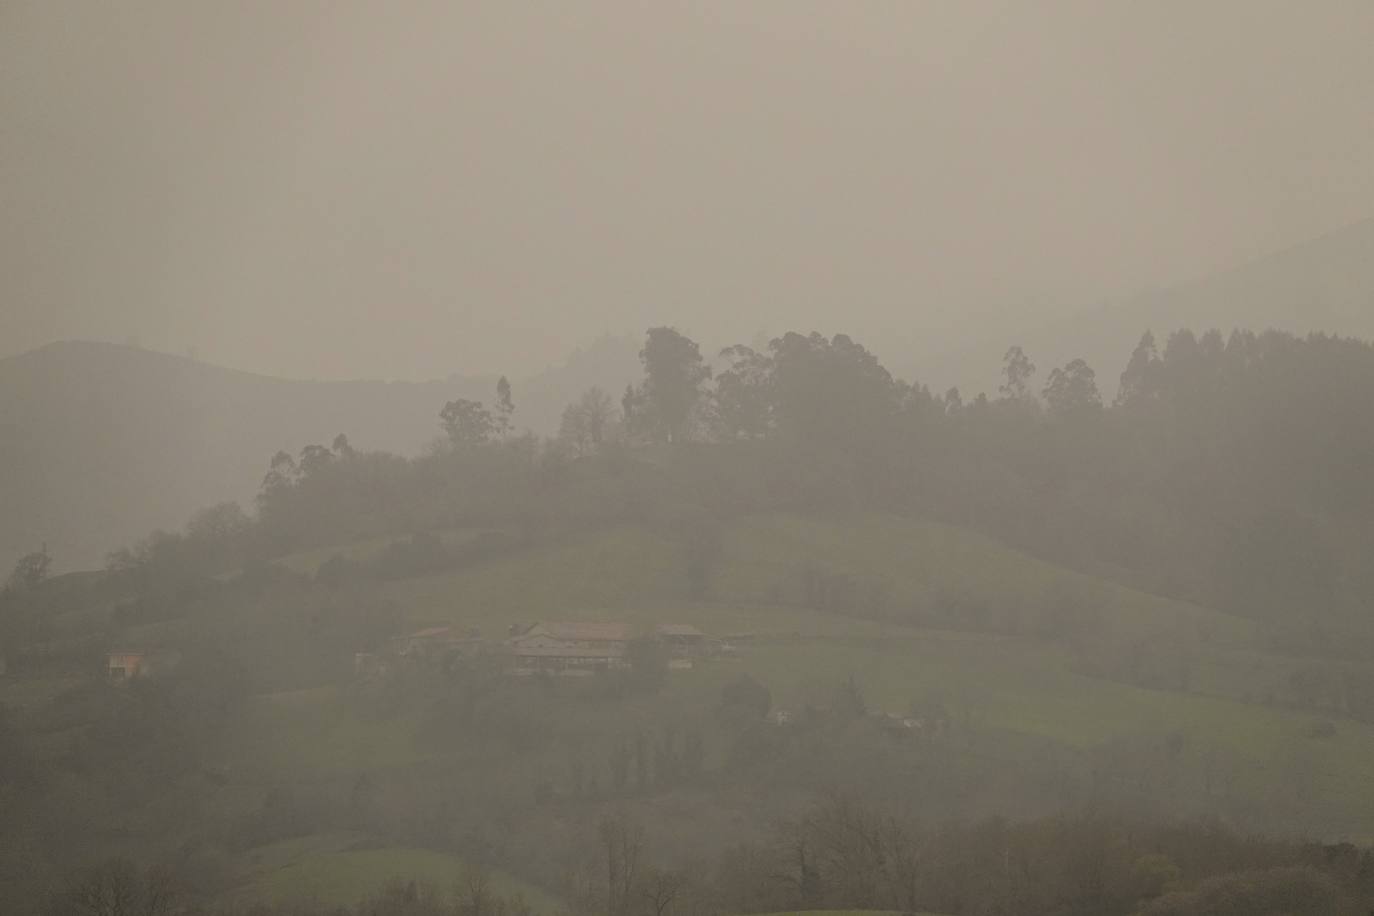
(582,631)
(604,651)
(429,633)
(680,629)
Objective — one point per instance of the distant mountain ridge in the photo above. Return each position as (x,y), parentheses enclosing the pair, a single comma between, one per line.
(1325,284)
(102,443)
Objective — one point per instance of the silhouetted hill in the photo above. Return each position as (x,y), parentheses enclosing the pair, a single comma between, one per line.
(102,443)
(1326,284)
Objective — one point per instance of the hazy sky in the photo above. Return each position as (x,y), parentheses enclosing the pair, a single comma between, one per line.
(409,190)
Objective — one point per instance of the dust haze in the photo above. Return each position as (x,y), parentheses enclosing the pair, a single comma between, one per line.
(337,191)
(673,459)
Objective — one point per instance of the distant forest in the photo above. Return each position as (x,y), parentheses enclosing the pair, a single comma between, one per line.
(1229,471)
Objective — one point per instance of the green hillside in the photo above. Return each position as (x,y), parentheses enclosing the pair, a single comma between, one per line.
(1045,677)
(340,869)
(81,472)
(921,569)
(992,657)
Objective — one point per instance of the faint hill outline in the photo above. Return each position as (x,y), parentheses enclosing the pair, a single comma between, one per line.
(101,443)
(1324,284)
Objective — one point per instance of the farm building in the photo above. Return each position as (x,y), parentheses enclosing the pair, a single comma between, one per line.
(125,664)
(569,648)
(684,640)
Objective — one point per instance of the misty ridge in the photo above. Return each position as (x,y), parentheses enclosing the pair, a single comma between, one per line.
(106,442)
(766,631)
(80,416)
(686,459)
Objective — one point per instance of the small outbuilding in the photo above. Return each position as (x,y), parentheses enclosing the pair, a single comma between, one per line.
(123,665)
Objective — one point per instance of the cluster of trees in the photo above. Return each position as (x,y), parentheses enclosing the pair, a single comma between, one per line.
(29,571)
(811,389)
(589,423)
(1230,471)
(468,422)
(1226,470)
(843,854)
(537,756)
(119,887)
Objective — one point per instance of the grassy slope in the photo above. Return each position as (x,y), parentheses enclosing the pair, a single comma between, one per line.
(634,574)
(924,564)
(1020,684)
(304,734)
(342,868)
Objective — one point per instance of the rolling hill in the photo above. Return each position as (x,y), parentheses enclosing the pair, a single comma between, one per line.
(1044,719)
(962,620)
(102,443)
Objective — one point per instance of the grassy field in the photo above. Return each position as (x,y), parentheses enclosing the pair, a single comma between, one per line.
(308,562)
(1025,689)
(343,868)
(1001,684)
(314,733)
(638,574)
(1020,684)
(923,564)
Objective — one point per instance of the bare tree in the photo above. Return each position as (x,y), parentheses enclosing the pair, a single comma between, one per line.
(903,854)
(622,842)
(799,871)
(31,569)
(118,888)
(475,896)
(848,841)
(587,421)
(661,888)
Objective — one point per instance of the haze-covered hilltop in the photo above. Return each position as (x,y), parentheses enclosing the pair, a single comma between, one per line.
(1325,285)
(1034,654)
(101,443)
